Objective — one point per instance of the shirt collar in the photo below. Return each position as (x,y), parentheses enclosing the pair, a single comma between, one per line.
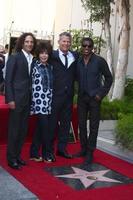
(61,53)
(27,54)
(81,58)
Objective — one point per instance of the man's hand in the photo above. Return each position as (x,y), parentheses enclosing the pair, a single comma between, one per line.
(11,105)
(98,98)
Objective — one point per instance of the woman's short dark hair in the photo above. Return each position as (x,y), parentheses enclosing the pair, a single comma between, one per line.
(21,39)
(43,47)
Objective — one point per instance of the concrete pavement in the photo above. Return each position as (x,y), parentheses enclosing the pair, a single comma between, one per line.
(106,141)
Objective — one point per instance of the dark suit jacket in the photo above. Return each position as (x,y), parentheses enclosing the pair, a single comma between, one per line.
(2,64)
(95,78)
(17,80)
(63,80)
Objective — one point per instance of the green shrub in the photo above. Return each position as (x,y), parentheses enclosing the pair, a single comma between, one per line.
(112,110)
(124,131)
(126,107)
(129,89)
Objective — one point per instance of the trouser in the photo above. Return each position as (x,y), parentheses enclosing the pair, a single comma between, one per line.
(41,137)
(17,130)
(62,113)
(87,104)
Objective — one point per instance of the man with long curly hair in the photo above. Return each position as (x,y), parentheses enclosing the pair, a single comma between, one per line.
(17,94)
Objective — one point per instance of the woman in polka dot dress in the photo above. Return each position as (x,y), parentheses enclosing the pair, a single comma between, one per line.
(42,84)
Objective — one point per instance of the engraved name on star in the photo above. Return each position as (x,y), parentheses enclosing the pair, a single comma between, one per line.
(88,178)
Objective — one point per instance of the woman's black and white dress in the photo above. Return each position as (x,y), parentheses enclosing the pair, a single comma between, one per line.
(42,84)
(41,89)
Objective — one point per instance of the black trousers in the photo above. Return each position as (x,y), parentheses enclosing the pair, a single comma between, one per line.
(41,138)
(88,105)
(61,113)
(17,131)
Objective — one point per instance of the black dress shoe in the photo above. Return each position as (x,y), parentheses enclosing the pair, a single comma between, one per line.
(52,156)
(21,162)
(49,157)
(80,154)
(14,165)
(64,154)
(89,158)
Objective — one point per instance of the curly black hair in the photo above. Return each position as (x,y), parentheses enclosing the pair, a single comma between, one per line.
(43,46)
(21,39)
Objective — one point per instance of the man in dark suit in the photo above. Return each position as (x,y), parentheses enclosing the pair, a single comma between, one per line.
(64,66)
(94,79)
(17,94)
(2,64)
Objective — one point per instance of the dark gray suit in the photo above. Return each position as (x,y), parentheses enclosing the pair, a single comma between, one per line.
(17,89)
(63,90)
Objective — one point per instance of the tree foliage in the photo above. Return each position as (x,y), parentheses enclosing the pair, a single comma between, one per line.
(99,9)
(77,36)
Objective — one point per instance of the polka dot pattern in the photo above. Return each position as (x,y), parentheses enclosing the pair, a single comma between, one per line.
(41,97)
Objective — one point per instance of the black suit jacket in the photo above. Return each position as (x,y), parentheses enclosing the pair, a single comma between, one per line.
(63,80)
(17,80)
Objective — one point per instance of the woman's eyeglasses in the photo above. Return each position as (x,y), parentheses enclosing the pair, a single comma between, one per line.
(86,45)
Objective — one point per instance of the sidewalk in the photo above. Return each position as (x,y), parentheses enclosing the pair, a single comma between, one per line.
(106,141)
(12,189)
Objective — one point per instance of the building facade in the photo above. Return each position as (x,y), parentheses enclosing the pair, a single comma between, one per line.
(46,19)
(19,16)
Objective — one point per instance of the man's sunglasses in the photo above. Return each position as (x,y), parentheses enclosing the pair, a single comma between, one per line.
(86,45)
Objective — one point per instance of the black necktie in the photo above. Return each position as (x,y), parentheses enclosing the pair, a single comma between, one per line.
(66,60)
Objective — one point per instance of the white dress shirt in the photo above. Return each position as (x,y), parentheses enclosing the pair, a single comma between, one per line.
(70,58)
(29,58)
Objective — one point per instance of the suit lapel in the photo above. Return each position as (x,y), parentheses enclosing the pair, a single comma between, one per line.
(58,58)
(32,65)
(74,54)
(25,62)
